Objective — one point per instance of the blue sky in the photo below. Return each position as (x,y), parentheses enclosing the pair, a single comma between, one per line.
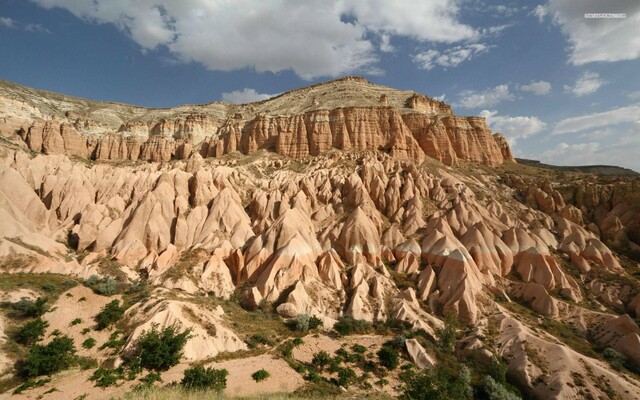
(562,88)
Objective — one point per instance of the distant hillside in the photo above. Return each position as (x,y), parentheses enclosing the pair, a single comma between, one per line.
(605,170)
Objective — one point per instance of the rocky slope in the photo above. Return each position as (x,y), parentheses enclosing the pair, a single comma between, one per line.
(534,264)
(348,113)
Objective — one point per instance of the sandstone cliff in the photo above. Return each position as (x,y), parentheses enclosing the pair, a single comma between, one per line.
(348,113)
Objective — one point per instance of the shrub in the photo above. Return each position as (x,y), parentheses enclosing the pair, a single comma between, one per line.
(440,382)
(260,375)
(28,308)
(113,342)
(89,343)
(105,377)
(492,390)
(31,384)
(616,359)
(449,333)
(109,315)
(349,326)
(346,376)
(321,359)
(388,358)
(150,379)
(205,378)
(31,332)
(56,356)
(259,339)
(358,348)
(105,286)
(157,349)
(297,341)
(76,322)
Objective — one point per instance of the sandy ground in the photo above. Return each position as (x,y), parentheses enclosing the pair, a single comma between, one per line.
(18,294)
(70,306)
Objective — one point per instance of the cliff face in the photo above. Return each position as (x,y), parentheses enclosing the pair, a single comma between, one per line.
(348,113)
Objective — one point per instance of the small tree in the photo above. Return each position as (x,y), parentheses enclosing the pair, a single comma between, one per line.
(346,377)
(109,315)
(198,378)
(56,356)
(157,349)
(31,332)
(388,358)
(260,375)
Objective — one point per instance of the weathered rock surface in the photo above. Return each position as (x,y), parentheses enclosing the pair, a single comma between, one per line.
(342,114)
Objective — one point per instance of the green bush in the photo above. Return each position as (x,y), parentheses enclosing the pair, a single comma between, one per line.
(259,339)
(358,348)
(438,383)
(449,333)
(103,286)
(199,378)
(349,326)
(114,342)
(388,358)
(109,315)
(346,377)
(297,341)
(491,390)
(89,343)
(28,308)
(31,384)
(260,375)
(56,356)
(321,359)
(31,332)
(76,322)
(105,377)
(157,349)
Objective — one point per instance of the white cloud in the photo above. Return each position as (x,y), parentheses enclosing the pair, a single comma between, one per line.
(312,38)
(538,88)
(7,22)
(442,97)
(385,43)
(487,98)
(571,154)
(634,95)
(36,28)
(587,83)
(616,116)
(513,128)
(246,95)
(450,57)
(593,40)
(541,12)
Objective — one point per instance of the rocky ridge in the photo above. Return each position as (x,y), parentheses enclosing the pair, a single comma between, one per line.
(348,113)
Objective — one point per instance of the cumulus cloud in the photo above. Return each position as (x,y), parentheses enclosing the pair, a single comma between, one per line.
(7,22)
(513,128)
(587,83)
(312,38)
(487,98)
(450,57)
(593,40)
(246,95)
(538,88)
(616,116)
